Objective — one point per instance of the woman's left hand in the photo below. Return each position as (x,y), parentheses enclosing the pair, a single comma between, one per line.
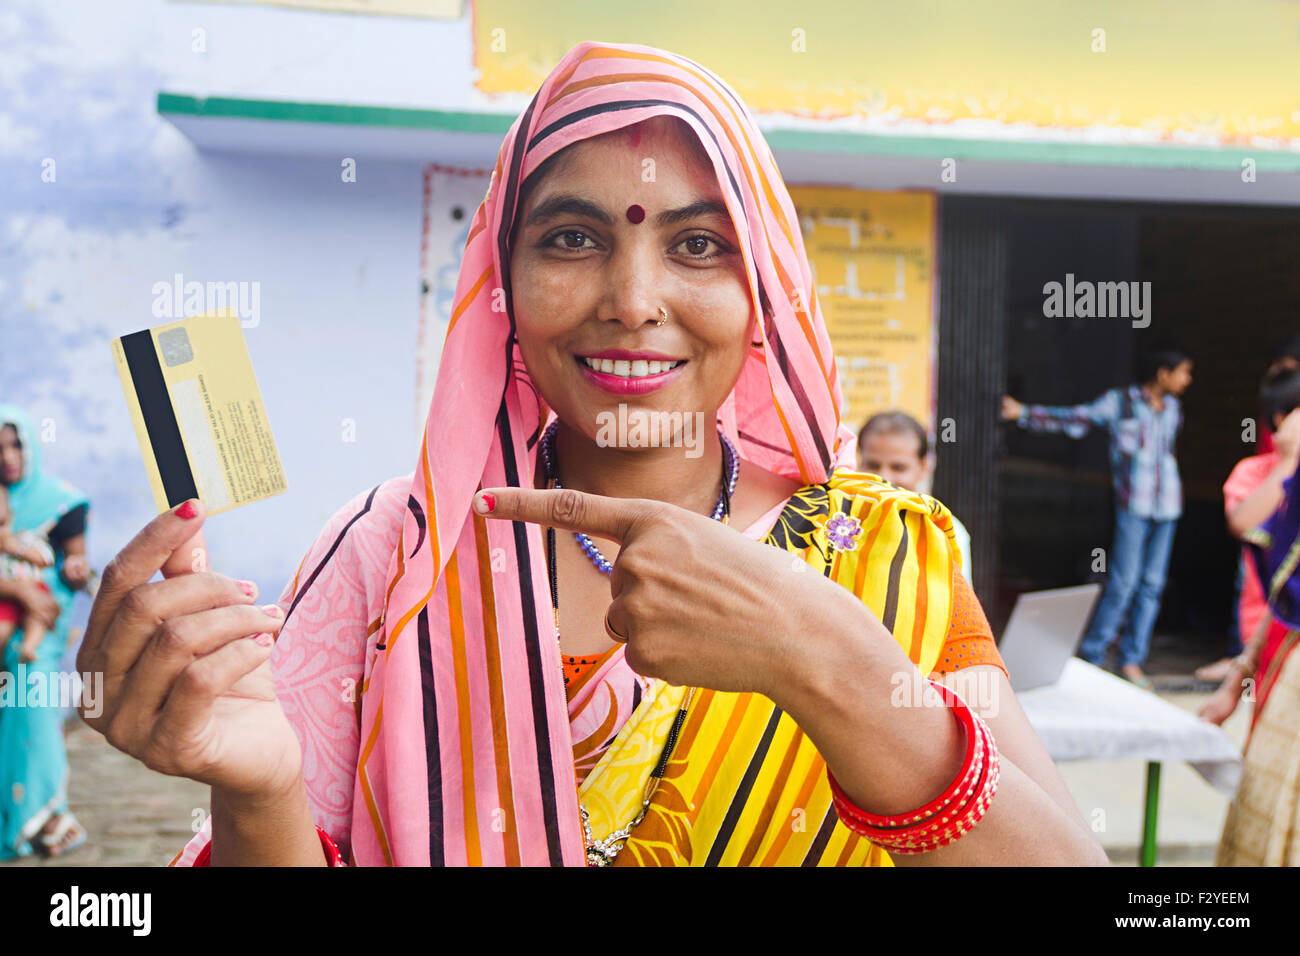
(76,571)
(696,602)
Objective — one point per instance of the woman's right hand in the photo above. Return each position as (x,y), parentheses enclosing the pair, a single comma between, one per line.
(187,690)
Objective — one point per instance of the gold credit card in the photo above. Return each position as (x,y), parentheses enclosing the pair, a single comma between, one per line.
(198,413)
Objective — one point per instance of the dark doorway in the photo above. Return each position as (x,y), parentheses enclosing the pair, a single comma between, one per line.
(1224,286)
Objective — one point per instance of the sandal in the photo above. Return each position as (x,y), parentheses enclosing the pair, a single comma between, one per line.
(57,842)
(1141,680)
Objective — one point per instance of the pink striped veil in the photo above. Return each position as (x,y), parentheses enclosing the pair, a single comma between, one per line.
(465,748)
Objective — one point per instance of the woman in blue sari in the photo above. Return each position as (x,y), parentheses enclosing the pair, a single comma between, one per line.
(34,813)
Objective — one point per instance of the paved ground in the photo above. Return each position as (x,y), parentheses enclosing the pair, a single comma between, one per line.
(136,817)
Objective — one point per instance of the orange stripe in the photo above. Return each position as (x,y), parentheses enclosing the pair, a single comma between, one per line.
(375,821)
(864,554)
(294,589)
(800,802)
(431,516)
(496,692)
(724,742)
(850,845)
(464,303)
(456,622)
(768,810)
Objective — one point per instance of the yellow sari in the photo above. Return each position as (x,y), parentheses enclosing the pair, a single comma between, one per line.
(744,785)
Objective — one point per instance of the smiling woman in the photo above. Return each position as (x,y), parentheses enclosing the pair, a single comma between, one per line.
(757,626)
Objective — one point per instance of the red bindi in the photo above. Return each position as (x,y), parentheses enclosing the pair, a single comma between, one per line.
(635,213)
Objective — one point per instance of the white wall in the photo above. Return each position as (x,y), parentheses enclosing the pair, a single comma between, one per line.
(134,203)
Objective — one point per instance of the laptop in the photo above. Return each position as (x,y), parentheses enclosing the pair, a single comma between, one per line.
(1043,633)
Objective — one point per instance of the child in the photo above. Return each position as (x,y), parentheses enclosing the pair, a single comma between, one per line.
(22,556)
(894,446)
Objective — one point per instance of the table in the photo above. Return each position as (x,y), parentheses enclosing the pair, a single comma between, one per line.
(1090,714)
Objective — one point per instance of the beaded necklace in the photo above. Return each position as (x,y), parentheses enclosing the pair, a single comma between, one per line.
(603,852)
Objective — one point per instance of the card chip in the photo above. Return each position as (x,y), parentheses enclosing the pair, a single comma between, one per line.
(175,346)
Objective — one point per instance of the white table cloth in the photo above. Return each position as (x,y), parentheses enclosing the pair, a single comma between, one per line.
(1090,714)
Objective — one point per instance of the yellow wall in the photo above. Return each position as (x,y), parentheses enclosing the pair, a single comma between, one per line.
(1220,71)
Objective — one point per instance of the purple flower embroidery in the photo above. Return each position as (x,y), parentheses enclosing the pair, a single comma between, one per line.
(843,532)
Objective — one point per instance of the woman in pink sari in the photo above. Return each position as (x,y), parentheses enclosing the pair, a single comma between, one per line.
(636,247)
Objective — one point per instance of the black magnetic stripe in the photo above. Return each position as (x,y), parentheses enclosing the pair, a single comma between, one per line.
(329,554)
(823,837)
(159,417)
(742,792)
(541,728)
(895,577)
(432,751)
(618,105)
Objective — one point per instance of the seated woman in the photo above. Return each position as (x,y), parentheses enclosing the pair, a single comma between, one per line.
(744,624)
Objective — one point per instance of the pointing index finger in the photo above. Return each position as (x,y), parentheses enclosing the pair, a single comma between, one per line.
(611,518)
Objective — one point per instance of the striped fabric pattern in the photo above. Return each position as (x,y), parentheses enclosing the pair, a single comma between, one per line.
(744,785)
(465,752)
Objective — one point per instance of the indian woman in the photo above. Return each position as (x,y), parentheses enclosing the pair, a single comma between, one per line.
(34,813)
(563,642)
(1262,827)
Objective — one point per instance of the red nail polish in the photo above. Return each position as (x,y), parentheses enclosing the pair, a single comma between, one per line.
(248,587)
(489,502)
(187,510)
(264,639)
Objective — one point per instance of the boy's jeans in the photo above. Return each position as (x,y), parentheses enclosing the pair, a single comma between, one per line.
(1138,565)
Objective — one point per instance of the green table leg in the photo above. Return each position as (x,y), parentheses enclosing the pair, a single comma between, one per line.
(1149,819)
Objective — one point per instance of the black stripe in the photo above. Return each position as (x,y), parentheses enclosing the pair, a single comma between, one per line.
(758,441)
(510,190)
(895,578)
(329,554)
(159,417)
(742,792)
(432,752)
(418,512)
(541,729)
(801,397)
(615,106)
(823,837)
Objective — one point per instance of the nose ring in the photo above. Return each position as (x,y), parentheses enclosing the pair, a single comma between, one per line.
(663,316)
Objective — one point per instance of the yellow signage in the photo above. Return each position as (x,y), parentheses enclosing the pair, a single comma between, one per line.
(872,256)
(1197,72)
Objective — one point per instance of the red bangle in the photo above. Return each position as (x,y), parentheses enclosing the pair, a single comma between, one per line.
(332,855)
(961,786)
(949,816)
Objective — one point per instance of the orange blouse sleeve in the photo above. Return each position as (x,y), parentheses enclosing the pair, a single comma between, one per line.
(970,638)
